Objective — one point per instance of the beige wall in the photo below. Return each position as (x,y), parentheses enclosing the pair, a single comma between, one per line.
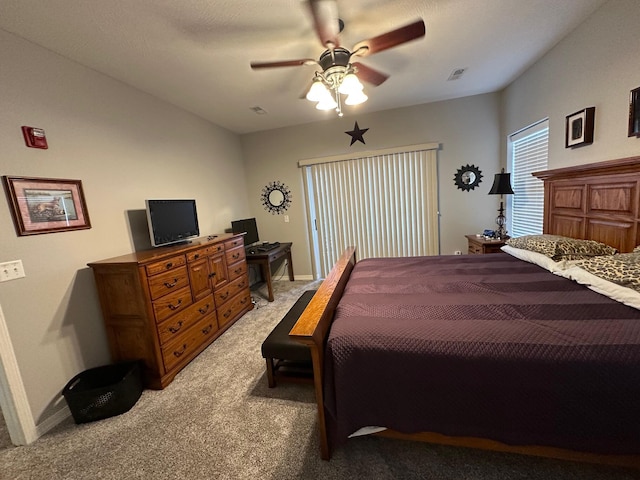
(596,65)
(467,129)
(125,146)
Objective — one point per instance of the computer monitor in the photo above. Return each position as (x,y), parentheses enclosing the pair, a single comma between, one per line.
(249,228)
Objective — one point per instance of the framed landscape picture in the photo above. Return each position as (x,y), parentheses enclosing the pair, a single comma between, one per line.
(46,205)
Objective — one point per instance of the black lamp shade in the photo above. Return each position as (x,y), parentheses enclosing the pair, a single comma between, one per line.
(501,184)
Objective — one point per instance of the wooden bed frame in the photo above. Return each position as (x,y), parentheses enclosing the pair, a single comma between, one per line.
(598,201)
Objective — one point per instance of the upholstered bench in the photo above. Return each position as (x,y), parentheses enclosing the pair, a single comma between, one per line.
(287,359)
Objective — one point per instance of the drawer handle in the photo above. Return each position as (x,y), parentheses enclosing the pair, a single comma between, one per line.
(171,285)
(178,353)
(235,256)
(226,314)
(168,265)
(241,285)
(177,328)
(177,305)
(204,310)
(207,330)
(225,295)
(196,256)
(243,301)
(238,270)
(211,275)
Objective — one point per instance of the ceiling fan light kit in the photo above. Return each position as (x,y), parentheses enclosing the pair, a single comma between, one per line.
(337,80)
(339,76)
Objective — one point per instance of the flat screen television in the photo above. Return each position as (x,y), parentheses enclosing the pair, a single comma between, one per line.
(249,226)
(171,221)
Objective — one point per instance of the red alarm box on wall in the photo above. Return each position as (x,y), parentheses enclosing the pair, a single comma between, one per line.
(34,137)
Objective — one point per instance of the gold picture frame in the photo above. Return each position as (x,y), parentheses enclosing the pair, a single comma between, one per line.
(46,205)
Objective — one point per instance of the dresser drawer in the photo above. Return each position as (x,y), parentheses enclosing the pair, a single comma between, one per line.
(237,270)
(191,340)
(236,242)
(233,307)
(172,303)
(163,283)
(166,265)
(179,323)
(235,255)
(475,249)
(231,289)
(205,252)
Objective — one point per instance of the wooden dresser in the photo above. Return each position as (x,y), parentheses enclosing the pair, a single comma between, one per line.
(166,305)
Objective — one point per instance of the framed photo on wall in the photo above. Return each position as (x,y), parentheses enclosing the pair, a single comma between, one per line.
(579,128)
(46,205)
(634,113)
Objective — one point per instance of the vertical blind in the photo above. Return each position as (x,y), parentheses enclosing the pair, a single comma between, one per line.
(386,205)
(529,150)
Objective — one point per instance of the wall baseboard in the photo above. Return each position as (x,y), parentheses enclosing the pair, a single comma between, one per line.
(53,421)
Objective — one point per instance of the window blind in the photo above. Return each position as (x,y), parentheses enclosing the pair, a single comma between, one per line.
(529,149)
(386,205)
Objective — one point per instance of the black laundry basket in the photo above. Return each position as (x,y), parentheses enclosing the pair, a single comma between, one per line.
(104,392)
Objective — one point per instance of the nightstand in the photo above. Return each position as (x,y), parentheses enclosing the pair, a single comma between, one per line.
(480,246)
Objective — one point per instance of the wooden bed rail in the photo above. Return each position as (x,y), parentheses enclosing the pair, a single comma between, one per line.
(313,326)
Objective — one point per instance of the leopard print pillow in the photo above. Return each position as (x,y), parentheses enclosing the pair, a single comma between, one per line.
(623,269)
(637,249)
(560,248)
(544,244)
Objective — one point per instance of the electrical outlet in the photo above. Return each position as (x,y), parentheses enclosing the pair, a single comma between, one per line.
(11,270)
(286,219)
(457,252)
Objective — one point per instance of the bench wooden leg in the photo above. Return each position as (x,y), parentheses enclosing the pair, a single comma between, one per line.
(270,373)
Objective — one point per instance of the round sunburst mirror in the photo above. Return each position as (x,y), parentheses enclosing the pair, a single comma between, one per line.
(467,177)
(276,197)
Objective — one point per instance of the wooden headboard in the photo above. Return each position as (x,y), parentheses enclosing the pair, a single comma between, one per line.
(596,201)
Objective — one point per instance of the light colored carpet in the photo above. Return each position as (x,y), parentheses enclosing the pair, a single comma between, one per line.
(219,420)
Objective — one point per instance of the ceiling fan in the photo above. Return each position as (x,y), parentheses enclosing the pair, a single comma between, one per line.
(339,75)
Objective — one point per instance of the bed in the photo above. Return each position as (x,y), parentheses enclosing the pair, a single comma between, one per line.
(489,351)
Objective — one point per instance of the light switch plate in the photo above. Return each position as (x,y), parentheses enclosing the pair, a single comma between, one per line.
(11,270)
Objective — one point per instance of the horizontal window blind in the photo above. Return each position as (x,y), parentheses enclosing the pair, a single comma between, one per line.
(385,205)
(529,153)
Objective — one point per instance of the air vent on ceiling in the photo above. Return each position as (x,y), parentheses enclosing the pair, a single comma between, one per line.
(259,110)
(456,74)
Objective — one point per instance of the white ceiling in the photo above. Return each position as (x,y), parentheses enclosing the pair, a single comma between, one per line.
(196,53)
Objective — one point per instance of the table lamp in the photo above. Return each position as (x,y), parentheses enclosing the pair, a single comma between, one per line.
(501,186)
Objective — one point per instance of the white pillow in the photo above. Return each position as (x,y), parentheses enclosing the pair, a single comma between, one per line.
(625,295)
(535,258)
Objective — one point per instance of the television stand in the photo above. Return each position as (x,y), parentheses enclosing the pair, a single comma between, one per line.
(265,259)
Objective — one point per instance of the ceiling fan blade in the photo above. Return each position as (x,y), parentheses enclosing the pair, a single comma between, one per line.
(284,63)
(325,21)
(369,75)
(390,39)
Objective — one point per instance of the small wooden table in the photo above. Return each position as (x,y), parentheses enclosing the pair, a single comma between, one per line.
(480,245)
(265,259)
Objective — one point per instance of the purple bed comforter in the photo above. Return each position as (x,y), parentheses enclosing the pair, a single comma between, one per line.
(487,346)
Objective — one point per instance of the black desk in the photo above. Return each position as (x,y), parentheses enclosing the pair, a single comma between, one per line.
(265,259)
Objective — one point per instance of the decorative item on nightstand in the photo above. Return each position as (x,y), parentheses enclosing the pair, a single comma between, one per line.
(501,186)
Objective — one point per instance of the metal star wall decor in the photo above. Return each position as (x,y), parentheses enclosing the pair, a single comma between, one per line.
(356,134)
